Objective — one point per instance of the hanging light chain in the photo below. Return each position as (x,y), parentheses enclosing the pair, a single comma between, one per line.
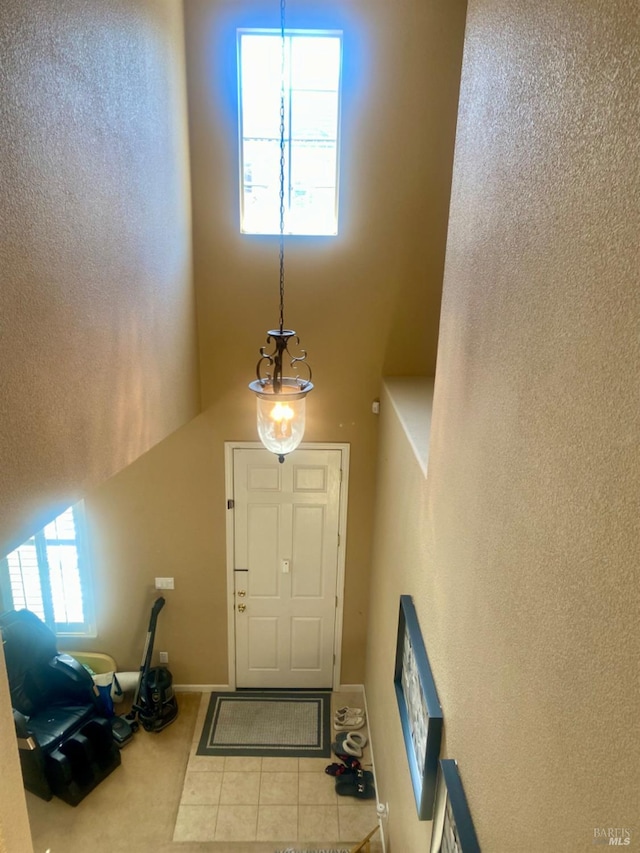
(281,399)
(282,110)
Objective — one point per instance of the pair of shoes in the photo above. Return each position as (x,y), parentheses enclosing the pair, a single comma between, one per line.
(349,743)
(348,719)
(358,784)
(350,724)
(355,712)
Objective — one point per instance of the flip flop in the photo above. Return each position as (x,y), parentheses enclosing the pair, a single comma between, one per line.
(359,785)
(339,769)
(349,760)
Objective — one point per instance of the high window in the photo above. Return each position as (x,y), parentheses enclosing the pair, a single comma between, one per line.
(48,575)
(312,65)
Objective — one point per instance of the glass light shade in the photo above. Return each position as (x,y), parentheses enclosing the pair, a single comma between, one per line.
(281,417)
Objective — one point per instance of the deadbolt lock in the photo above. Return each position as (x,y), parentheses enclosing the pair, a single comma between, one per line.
(242,593)
(242,607)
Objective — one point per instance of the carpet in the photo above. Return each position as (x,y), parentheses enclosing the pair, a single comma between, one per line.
(268,723)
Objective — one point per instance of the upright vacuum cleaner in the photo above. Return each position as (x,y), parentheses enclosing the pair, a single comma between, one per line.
(155,705)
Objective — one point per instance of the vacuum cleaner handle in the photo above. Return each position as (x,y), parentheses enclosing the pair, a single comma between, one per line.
(158,604)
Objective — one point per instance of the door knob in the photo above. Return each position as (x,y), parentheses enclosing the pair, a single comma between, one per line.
(242,607)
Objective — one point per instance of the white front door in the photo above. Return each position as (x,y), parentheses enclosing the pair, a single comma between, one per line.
(286,525)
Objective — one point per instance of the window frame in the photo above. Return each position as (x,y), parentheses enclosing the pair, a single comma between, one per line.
(289,189)
(40,541)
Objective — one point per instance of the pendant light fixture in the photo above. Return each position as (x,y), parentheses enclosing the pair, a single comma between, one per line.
(281,399)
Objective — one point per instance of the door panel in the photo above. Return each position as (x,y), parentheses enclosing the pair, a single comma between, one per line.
(262,548)
(286,519)
(307,551)
(306,643)
(263,643)
(309,479)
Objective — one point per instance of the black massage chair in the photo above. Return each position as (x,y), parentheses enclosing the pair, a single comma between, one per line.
(65,742)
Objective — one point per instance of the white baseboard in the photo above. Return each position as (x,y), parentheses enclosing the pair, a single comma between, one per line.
(226,688)
(201,688)
(382,815)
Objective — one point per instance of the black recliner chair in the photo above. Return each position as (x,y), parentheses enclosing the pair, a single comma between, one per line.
(65,743)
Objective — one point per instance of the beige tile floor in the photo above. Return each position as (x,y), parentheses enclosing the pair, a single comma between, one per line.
(135,808)
(284,800)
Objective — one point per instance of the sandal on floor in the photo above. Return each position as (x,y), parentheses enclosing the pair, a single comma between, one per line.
(359,784)
(350,743)
(358,738)
(339,769)
(349,760)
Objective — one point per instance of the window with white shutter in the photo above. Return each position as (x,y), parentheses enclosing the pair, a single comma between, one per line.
(48,574)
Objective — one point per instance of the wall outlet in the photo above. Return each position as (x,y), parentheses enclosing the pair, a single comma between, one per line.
(164,657)
(164,583)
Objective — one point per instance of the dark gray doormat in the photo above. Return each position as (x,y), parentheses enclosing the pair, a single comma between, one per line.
(271,723)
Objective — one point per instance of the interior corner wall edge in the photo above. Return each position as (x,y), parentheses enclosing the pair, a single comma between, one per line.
(15,836)
(97,314)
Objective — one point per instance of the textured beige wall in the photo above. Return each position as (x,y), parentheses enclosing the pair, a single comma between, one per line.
(400,567)
(347,297)
(163,516)
(97,317)
(526,550)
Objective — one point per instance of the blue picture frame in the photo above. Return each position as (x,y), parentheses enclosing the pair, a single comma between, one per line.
(453,830)
(420,712)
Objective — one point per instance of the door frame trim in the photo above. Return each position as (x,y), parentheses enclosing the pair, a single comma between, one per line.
(229,447)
